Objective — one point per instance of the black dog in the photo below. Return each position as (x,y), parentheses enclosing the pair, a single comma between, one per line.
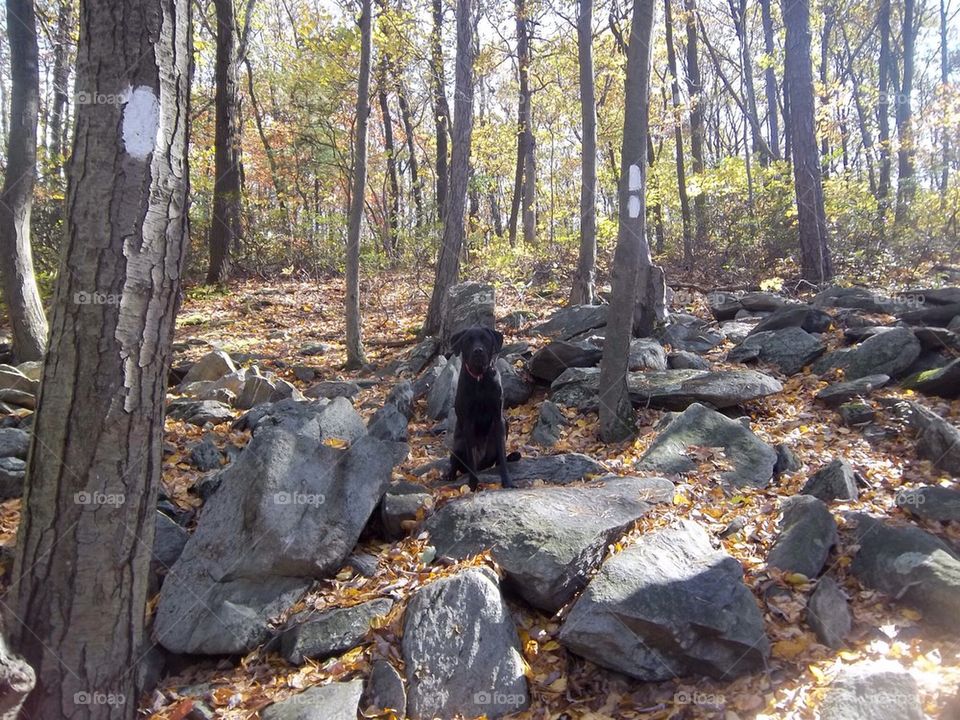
(480,437)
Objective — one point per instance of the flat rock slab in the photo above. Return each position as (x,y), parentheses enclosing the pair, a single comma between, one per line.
(807,532)
(828,613)
(331,632)
(330,389)
(689,334)
(810,319)
(910,565)
(570,321)
(551,360)
(880,690)
(941,382)
(668,606)
(461,650)
(336,701)
(871,301)
(790,349)
(699,426)
(890,353)
(667,389)
(931,502)
(560,469)
(839,393)
(547,540)
(288,510)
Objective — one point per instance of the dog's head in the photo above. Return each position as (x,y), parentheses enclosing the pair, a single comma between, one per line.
(478,347)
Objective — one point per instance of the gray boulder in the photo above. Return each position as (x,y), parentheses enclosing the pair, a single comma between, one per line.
(890,353)
(384,691)
(762,302)
(931,502)
(400,510)
(723,305)
(205,455)
(843,392)
(553,469)
(938,315)
(570,321)
(807,532)
(330,632)
(670,605)
(549,423)
(809,319)
(551,360)
(442,394)
(790,349)
(13,471)
(646,354)
(199,412)
(169,539)
(14,442)
(683,360)
(467,304)
(828,613)
(858,298)
(288,510)
(461,650)
(14,380)
(419,356)
(17,680)
(878,690)
(937,439)
(910,565)
(736,331)
(700,426)
(546,540)
(331,389)
(212,366)
(336,701)
(516,389)
(941,382)
(837,480)
(685,332)
(856,413)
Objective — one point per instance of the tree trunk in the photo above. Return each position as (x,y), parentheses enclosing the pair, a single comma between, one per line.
(441,109)
(412,152)
(354,336)
(524,183)
(906,181)
(393,183)
(770,81)
(226,231)
(829,16)
(883,111)
(448,264)
(944,81)
(814,254)
(582,291)
(738,11)
(20,292)
(61,81)
(697,129)
(86,533)
(678,136)
(632,264)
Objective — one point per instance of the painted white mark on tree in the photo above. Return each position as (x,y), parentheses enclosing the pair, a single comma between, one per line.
(141,122)
(634,178)
(633,206)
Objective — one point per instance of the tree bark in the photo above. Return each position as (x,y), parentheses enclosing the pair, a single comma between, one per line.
(678,136)
(448,263)
(86,534)
(814,254)
(412,152)
(906,181)
(354,336)
(944,81)
(61,81)
(697,125)
(632,264)
(829,16)
(441,108)
(20,292)
(524,184)
(738,11)
(226,231)
(883,111)
(393,184)
(582,291)
(770,81)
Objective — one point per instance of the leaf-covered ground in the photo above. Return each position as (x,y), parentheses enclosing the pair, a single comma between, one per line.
(276,320)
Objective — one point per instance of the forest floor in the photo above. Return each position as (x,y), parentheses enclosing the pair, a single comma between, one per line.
(278,319)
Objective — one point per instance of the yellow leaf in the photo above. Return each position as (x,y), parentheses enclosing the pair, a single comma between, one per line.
(336,442)
(789,649)
(679,499)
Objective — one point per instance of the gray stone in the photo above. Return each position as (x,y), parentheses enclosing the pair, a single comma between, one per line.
(551,360)
(313,349)
(890,353)
(809,319)
(441,397)
(14,442)
(683,360)
(646,354)
(419,356)
(699,426)
(937,439)
(837,480)
(12,473)
(828,613)
(331,632)
(758,301)
(843,392)
(205,455)
(723,305)
(684,332)
(428,377)
(12,379)
(937,338)
(790,349)
(289,509)
(384,691)
(33,369)
(942,382)
(807,532)
(931,502)
(20,398)
(736,331)
(17,679)
(257,389)
(878,690)
(554,469)
(336,701)
(668,606)
(570,321)
(546,540)
(549,423)
(938,315)
(330,389)
(212,366)
(399,511)
(787,460)
(169,538)
(467,304)
(858,298)
(516,389)
(461,650)
(909,565)
(856,413)
(199,412)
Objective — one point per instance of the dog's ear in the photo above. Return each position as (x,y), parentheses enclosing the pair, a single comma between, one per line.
(497,338)
(455,341)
